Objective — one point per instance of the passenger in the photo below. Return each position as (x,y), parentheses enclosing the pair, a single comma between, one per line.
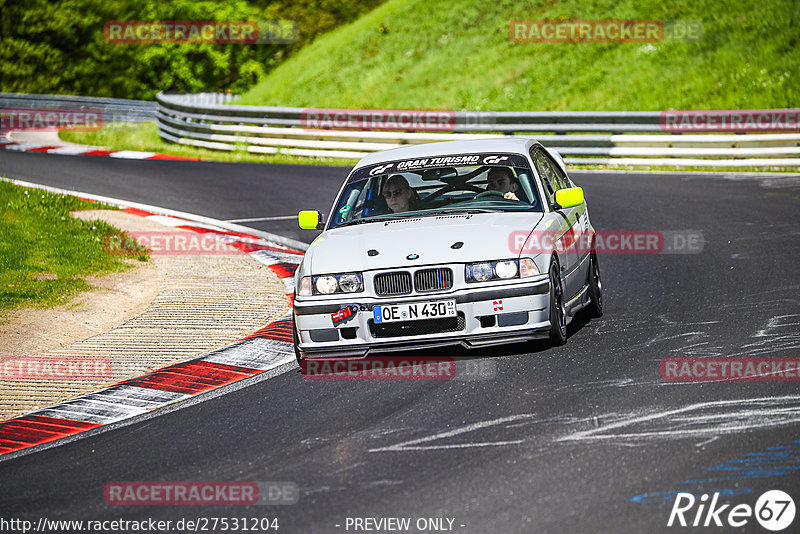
(398,194)
(500,179)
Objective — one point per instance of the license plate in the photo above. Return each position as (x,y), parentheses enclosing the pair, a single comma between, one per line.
(414,311)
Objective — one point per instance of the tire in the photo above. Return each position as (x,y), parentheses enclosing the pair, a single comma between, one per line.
(595,307)
(297,353)
(558,318)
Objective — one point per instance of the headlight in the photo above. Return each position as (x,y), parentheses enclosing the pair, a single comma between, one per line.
(350,283)
(326,285)
(479,272)
(506,269)
(305,287)
(501,270)
(329,284)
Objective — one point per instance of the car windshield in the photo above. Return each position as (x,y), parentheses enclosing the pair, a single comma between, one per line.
(405,188)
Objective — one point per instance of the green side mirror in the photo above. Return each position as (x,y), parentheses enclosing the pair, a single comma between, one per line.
(570,197)
(309,220)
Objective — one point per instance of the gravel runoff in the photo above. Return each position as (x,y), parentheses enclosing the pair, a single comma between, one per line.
(202,302)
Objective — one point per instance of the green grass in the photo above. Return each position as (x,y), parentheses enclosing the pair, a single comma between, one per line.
(415,54)
(144,137)
(457,55)
(39,241)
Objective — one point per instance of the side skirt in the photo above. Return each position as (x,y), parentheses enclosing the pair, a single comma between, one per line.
(577,303)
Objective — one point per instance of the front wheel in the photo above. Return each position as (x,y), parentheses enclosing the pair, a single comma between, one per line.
(297,353)
(558,315)
(595,308)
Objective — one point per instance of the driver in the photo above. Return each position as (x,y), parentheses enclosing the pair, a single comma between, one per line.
(500,179)
(398,194)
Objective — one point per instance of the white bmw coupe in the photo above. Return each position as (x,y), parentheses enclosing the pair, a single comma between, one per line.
(475,243)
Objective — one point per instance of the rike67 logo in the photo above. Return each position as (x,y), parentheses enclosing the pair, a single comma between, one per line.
(774,510)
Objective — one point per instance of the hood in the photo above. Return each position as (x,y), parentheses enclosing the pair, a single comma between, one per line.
(485,236)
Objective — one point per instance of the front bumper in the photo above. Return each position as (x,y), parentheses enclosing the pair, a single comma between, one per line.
(489,315)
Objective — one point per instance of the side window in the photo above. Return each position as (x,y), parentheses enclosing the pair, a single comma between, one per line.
(551,181)
(561,176)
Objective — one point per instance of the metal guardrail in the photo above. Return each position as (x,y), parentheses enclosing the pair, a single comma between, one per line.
(628,138)
(600,137)
(213,109)
(113,109)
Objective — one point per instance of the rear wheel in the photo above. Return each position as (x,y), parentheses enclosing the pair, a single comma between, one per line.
(558,315)
(595,308)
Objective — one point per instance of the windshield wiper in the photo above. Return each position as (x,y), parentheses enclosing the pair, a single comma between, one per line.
(459,210)
(369,220)
(357,221)
(413,214)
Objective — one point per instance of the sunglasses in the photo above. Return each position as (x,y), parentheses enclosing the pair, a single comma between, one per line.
(395,193)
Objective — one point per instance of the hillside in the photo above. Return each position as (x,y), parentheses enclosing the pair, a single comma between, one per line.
(458,55)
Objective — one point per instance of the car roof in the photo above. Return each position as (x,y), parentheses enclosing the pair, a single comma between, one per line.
(515,144)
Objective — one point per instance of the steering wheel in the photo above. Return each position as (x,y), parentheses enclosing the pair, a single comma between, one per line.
(462,187)
(486,194)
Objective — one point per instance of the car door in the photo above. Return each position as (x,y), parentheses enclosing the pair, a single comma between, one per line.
(571,223)
(578,217)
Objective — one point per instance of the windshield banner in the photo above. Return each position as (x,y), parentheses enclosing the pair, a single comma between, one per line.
(455,160)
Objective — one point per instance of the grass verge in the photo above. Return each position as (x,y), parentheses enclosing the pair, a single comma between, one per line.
(44,253)
(144,137)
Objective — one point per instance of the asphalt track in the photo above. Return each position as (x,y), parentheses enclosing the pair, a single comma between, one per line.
(582,438)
